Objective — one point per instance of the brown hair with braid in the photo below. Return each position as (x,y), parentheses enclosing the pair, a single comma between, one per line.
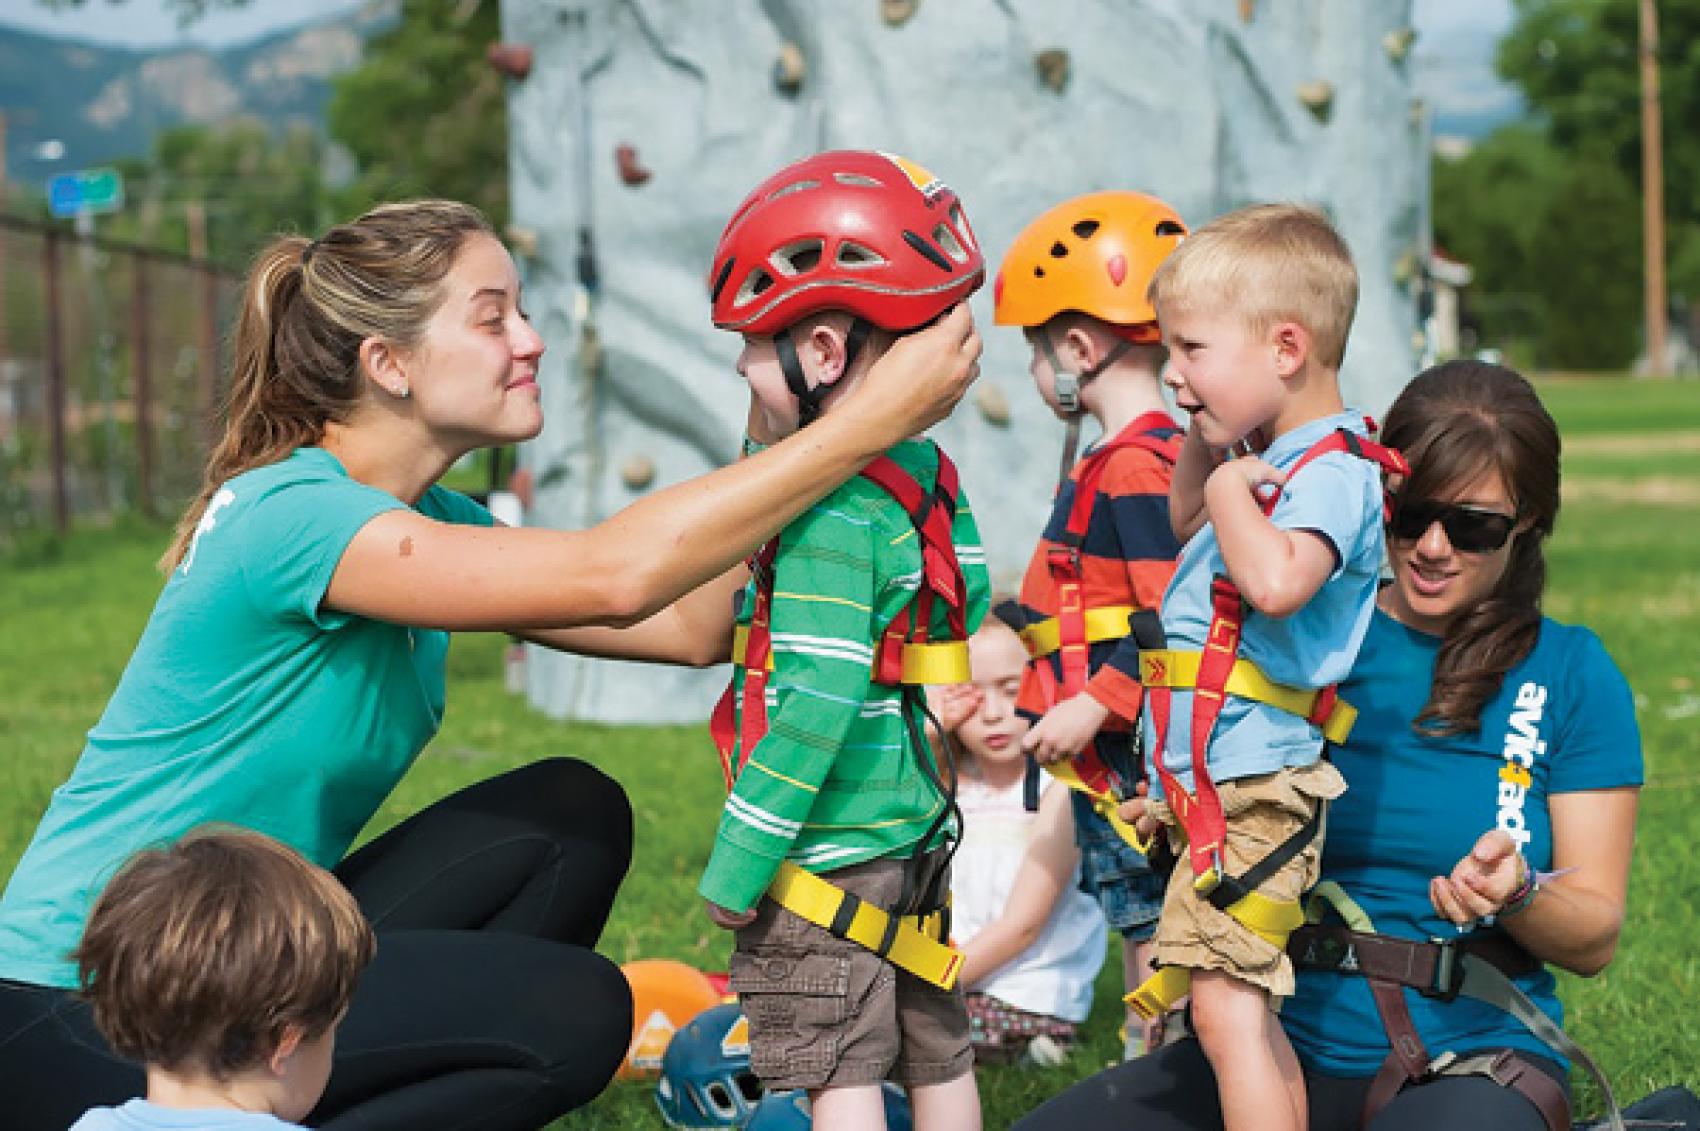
(306,307)
(1457,422)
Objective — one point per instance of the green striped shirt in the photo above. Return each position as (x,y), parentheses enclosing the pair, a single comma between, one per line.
(837,781)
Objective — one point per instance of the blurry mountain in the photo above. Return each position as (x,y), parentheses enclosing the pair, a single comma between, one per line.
(105,102)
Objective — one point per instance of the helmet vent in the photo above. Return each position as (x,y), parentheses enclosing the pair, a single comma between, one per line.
(795,258)
(1059,250)
(787,190)
(961,223)
(1169,228)
(927,250)
(755,284)
(1038,272)
(1086,229)
(858,180)
(946,239)
(720,281)
(852,254)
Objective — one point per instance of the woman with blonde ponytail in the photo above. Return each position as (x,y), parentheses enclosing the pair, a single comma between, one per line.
(293,668)
(1493,776)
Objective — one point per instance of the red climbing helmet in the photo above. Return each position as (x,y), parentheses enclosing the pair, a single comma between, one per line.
(852,230)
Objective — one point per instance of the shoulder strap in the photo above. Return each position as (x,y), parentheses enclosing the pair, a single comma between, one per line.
(1138,434)
(1389,460)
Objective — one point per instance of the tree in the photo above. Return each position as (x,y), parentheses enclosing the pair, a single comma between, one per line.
(252,184)
(1586,267)
(424,114)
(1576,64)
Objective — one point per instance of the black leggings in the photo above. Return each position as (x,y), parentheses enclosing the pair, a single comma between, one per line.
(484,1010)
(1174,1089)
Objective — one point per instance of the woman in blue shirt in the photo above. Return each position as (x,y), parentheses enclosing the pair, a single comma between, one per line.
(1493,778)
(293,668)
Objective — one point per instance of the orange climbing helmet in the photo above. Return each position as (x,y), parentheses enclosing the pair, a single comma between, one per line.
(1094,254)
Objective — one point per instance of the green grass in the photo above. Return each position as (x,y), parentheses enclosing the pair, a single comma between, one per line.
(70,611)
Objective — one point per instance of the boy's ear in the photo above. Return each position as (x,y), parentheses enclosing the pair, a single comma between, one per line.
(826,354)
(278,1062)
(1079,350)
(1290,342)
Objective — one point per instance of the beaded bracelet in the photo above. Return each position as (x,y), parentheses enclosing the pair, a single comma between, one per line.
(1523,895)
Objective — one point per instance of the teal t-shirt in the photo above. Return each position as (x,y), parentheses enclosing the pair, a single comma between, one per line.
(1563,721)
(245,703)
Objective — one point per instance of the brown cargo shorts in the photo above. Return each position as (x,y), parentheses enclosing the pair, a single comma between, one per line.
(1261,812)
(825,1012)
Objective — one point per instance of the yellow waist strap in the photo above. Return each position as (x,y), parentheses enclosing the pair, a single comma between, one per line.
(909,942)
(945,661)
(1170,668)
(1269,919)
(1102,803)
(1106,623)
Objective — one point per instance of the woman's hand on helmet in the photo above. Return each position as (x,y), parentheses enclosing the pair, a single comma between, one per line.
(922,377)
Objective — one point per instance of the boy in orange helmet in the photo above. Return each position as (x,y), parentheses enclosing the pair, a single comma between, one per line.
(1075,281)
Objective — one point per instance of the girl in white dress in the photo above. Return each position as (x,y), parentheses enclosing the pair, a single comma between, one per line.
(1033,941)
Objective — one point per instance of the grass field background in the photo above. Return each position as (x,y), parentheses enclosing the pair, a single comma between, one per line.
(1625,561)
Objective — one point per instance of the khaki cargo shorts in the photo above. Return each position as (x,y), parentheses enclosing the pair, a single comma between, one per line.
(1261,812)
(825,1012)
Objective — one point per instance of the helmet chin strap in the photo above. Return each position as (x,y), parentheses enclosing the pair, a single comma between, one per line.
(1068,385)
(809,399)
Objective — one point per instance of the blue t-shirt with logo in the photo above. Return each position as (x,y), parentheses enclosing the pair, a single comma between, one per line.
(246,702)
(1563,722)
(1338,497)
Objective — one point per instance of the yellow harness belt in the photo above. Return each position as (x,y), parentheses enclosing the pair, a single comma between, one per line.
(1269,919)
(910,942)
(1106,623)
(943,662)
(1169,668)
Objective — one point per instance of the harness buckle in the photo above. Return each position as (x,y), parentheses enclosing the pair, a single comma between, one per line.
(1323,708)
(1448,975)
(1064,556)
(1211,878)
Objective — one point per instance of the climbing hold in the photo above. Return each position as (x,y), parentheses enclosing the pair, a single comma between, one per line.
(993,405)
(789,69)
(1053,68)
(522,240)
(1248,9)
(632,170)
(511,59)
(1419,111)
(1405,267)
(1397,43)
(638,472)
(1318,97)
(898,12)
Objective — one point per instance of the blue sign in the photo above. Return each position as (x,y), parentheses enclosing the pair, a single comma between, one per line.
(85,192)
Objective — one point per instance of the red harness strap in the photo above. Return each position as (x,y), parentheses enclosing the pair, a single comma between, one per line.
(932,513)
(1200,812)
(1063,560)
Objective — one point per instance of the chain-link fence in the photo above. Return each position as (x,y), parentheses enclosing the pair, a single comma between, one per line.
(110,371)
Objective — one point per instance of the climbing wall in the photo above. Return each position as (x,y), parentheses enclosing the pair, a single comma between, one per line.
(637,125)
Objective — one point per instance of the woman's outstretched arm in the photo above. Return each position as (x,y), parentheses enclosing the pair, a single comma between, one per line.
(407,569)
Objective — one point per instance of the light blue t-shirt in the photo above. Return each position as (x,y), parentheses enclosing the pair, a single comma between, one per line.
(1338,496)
(140,1115)
(245,703)
(1563,722)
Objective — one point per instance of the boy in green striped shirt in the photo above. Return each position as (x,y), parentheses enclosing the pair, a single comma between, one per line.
(821,269)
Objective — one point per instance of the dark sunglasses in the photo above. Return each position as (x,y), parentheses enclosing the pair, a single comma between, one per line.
(1471,530)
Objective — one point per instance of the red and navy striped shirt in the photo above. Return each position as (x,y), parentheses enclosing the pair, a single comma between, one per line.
(1126,558)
